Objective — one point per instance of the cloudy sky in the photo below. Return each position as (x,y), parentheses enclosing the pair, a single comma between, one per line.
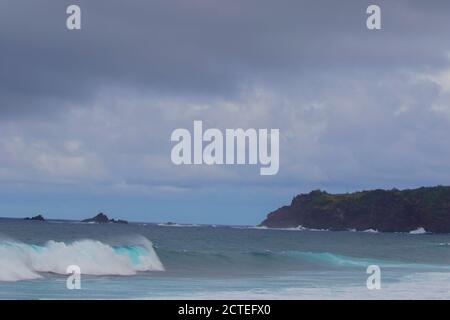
(86,116)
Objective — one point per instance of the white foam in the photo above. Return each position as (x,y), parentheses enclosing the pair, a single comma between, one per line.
(418,231)
(19,261)
(177,225)
(299,228)
(371,231)
(428,285)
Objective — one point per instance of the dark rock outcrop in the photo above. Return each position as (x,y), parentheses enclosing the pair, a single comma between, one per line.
(103,218)
(36,218)
(383,210)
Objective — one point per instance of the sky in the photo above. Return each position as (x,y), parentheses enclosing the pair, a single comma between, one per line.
(86,115)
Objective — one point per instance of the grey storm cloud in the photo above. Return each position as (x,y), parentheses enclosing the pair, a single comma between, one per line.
(95,108)
(203,47)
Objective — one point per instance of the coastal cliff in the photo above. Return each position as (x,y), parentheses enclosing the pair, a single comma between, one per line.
(383,210)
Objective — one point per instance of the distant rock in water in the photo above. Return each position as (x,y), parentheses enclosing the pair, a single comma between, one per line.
(36,218)
(424,209)
(100,218)
(103,218)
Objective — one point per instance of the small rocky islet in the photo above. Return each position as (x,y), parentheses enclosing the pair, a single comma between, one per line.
(99,218)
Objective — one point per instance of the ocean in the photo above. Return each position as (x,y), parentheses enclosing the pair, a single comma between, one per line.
(151,261)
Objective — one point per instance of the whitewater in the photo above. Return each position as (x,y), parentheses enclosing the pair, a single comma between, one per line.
(151,261)
(20,261)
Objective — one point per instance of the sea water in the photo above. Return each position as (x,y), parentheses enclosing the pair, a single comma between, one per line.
(150,261)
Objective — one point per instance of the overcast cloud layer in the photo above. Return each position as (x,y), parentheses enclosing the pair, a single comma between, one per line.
(86,116)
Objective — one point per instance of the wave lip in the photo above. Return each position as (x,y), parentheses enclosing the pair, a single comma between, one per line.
(338,260)
(19,261)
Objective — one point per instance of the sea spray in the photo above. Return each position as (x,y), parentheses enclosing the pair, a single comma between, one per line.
(20,261)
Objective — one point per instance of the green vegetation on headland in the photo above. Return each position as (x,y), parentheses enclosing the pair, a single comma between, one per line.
(383,210)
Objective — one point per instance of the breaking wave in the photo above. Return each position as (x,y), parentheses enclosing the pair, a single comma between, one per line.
(418,231)
(252,261)
(20,261)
